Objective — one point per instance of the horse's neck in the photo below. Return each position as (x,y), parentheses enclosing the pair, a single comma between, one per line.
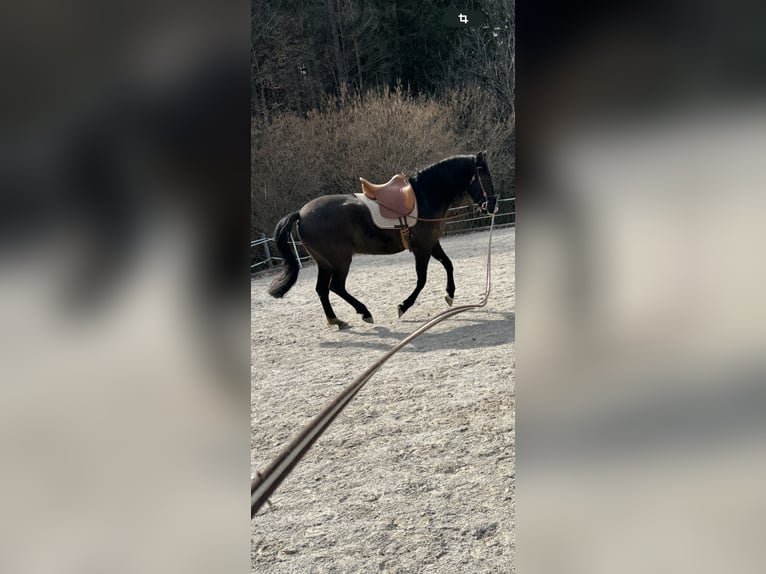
(440,193)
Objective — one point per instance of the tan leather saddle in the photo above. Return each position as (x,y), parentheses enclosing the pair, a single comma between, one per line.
(396,198)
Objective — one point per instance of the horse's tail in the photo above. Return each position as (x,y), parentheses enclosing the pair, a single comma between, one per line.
(290,267)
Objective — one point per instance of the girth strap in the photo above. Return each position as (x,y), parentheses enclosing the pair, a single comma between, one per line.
(404,232)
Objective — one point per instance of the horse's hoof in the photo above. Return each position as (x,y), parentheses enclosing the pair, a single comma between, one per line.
(338,323)
(368,319)
(401,310)
(449,300)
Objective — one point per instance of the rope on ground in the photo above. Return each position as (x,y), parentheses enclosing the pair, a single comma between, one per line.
(266,482)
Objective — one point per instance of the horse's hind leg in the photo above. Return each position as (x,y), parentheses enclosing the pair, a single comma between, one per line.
(440,256)
(323,290)
(338,286)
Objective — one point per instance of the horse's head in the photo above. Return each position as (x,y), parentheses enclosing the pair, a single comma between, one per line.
(480,187)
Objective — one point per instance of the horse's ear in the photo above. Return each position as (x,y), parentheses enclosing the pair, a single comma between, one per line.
(481,157)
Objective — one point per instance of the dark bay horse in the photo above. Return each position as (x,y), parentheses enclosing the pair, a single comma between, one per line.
(335,227)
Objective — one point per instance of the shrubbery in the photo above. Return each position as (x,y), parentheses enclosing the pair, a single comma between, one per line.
(374,135)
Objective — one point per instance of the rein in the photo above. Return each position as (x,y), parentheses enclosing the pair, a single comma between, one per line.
(440,218)
(451,217)
(264,484)
(426,218)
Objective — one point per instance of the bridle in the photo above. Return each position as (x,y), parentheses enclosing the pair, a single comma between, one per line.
(484,205)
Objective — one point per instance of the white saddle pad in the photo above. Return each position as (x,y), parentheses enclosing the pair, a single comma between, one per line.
(387,222)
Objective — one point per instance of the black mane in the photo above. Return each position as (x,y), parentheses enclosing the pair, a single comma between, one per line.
(446,177)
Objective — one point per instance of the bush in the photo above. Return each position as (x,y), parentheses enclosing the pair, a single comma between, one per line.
(374,135)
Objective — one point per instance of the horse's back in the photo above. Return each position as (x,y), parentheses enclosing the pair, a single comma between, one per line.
(327,205)
(343,223)
(329,212)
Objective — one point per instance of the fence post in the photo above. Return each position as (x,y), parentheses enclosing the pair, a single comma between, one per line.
(269,263)
(298,257)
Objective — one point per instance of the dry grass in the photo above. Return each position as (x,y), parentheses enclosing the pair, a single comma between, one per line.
(375,135)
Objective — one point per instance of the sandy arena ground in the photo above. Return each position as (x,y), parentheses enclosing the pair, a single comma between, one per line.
(417,474)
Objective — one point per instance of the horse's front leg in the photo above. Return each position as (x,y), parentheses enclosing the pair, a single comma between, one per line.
(440,256)
(421,267)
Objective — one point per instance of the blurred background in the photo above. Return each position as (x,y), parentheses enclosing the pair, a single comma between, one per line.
(641,134)
(124,292)
(125,152)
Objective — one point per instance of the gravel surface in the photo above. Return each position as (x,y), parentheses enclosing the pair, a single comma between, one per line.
(417,474)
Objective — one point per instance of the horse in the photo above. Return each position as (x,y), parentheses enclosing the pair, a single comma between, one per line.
(335,227)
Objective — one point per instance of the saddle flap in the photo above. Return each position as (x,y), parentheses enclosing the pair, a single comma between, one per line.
(386,219)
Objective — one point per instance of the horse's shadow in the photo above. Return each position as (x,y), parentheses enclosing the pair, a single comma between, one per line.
(465,333)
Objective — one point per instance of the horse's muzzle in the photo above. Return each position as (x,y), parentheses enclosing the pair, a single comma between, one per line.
(490,206)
